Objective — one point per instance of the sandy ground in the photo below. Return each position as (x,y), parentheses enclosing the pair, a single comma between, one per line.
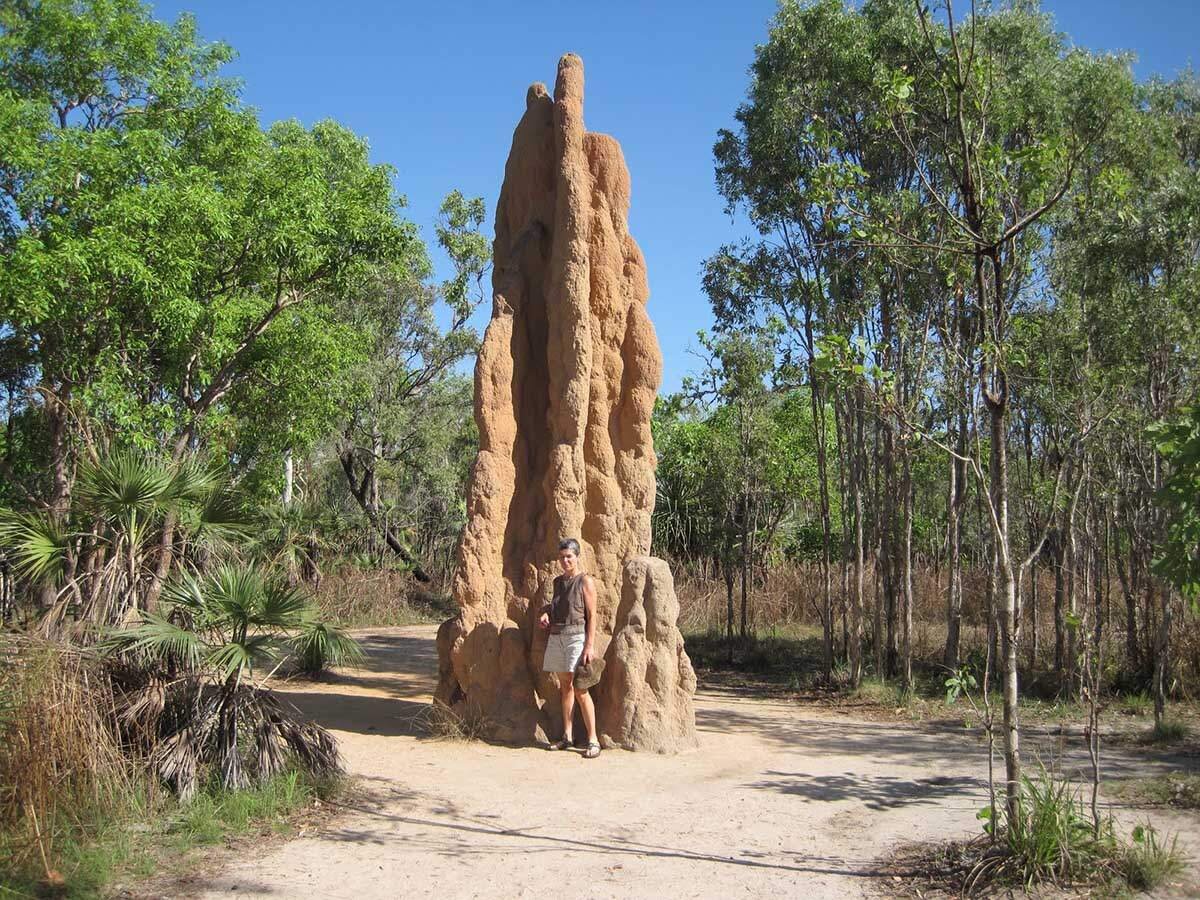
(778,801)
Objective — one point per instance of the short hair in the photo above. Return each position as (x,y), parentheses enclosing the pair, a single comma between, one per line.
(569,544)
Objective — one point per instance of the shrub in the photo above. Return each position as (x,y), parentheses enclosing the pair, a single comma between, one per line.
(1168,731)
(216,630)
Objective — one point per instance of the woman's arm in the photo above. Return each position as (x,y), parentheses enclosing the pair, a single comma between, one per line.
(589,604)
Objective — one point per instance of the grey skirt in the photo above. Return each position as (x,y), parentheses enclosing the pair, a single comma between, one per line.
(563,651)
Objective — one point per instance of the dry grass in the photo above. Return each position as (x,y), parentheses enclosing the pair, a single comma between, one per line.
(355,599)
(788,598)
(79,807)
(62,769)
(442,723)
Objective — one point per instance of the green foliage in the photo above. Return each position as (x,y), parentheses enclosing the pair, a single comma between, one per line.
(320,646)
(173,270)
(961,682)
(116,517)
(233,619)
(37,542)
(1168,732)
(1179,443)
(759,446)
(1054,840)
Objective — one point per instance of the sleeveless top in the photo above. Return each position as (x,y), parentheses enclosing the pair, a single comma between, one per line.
(567,609)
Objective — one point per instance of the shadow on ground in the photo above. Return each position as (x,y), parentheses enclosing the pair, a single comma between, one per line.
(464,837)
(876,792)
(363,714)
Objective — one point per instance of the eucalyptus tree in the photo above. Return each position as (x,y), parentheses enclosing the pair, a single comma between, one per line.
(406,381)
(735,379)
(808,83)
(1139,244)
(929,149)
(998,105)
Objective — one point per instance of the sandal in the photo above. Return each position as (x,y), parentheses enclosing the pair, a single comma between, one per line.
(563,743)
(592,751)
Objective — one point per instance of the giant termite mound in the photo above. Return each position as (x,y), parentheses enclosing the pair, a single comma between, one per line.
(565,384)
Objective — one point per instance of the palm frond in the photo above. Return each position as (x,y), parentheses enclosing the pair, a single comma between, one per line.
(282,606)
(126,483)
(236,591)
(37,544)
(320,646)
(186,592)
(196,479)
(222,517)
(234,656)
(159,638)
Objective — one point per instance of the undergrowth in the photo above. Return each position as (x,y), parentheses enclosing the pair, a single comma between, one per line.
(78,807)
(443,723)
(356,599)
(1167,732)
(143,838)
(1052,840)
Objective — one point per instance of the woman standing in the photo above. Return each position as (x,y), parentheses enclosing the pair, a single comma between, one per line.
(571,618)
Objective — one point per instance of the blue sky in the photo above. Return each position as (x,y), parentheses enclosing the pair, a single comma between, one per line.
(436,89)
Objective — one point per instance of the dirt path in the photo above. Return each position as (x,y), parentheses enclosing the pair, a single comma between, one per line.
(777,801)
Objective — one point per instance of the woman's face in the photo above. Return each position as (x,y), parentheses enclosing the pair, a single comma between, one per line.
(569,561)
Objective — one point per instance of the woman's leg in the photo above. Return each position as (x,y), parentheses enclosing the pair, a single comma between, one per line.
(589,713)
(567,695)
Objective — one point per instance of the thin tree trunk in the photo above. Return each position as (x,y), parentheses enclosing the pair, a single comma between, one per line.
(950,656)
(907,618)
(743,630)
(856,609)
(1060,610)
(289,475)
(1033,615)
(1162,667)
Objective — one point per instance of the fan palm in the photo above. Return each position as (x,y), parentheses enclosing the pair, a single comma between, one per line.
(219,628)
(101,557)
(294,536)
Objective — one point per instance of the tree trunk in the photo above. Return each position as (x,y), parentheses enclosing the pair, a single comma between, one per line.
(906,624)
(887,552)
(1009,621)
(1033,615)
(728,570)
(362,490)
(954,574)
(1162,666)
(744,629)
(1060,610)
(1132,654)
(289,474)
(856,607)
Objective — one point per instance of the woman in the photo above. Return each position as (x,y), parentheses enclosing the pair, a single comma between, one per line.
(571,618)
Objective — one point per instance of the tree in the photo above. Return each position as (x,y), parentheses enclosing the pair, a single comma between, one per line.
(1179,562)
(904,166)
(169,265)
(404,383)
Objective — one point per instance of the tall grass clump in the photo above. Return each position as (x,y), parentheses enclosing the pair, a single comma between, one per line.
(1054,839)
(1167,731)
(63,775)
(1149,860)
